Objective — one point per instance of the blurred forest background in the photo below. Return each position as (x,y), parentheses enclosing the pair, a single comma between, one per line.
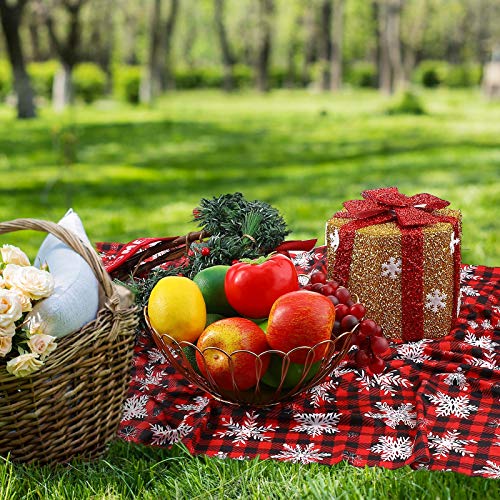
(62,50)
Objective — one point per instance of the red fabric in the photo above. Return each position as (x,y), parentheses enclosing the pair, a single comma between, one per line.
(436,406)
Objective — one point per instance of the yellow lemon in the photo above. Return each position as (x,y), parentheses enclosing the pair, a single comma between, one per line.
(176,307)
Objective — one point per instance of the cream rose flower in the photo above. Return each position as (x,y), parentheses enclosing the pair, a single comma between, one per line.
(24,365)
(42,344)
(2,282)
(33,282)
(10,308)
(14,255)
(24,299)
(5,345)
(8,331)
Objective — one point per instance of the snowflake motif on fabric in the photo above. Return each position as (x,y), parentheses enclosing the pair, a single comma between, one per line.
(200,403)
(249,429)
(490,361)
(485,342)
(150,379)
(334,239)
(473,324)
(164,434)
(391,448)
(316,424)
(135,407)
(156,356)
(322,392)
(393,415)
(492,471)
(467,273)
(298,455)
(453,242)
(486,324)
(435,301)
(128,432)
(391,268)
(413,351)
(386,382)
(303,259)
(469,291)
(223,455)
(352,458)
(498,438)
(449,442)
(447,405)
(340,371)
(457,378)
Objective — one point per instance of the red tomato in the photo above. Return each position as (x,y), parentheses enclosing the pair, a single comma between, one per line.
(252,286)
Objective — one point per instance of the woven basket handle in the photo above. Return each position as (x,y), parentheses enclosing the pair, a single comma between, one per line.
(86,252)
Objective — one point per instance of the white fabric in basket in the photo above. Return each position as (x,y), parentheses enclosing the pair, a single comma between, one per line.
(75,300)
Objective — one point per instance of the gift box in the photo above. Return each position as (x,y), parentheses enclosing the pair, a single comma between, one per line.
(401,256)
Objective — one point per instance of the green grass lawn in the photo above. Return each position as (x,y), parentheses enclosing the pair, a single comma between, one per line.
(133,172)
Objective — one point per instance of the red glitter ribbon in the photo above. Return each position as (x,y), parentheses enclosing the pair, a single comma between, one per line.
(410,214)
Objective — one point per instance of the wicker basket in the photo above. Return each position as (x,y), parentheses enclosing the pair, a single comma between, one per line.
(72,407)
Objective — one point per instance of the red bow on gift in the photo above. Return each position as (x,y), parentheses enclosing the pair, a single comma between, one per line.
(389,202)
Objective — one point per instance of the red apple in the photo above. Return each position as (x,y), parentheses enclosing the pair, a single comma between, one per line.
(300,318)
(230,335)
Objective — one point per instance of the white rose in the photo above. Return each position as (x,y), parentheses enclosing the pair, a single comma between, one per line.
(33,282)
(5,345)
(8,331)
(35,326)
(10,308)
(23,299)
(42,344)
(2,282)
(24,365)
(14,255)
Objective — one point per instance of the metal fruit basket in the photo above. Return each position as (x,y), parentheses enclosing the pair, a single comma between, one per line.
(262,395)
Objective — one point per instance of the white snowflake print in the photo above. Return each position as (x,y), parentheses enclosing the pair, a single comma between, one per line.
(485,342)
(393,415)
(249,429)
(302,259)
(391,448)
(322,392)
(457,378)
(492,471)
(472,324)
(467,273)
(156,356)
(448,442)
(135,407)
(334,239)
(413,351)
(386,382)
(498,438)
(303,279)
(128,432)
(447,405)
(299,455)
(435,301)
(453,242)
(352,458)
(490,361)
(469,291)
(150,379)
(167,435)
(316,424)
(391,268)
(486,324)
(200,403)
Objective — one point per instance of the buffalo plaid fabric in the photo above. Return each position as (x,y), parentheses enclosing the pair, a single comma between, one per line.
(436,406)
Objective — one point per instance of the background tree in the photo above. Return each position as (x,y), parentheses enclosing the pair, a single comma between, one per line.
(263,56)
(228,59)
(151,81)
(325,44)
(166,77)
(337,44)
(11,16)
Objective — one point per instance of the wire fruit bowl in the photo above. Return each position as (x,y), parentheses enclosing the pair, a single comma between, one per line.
(262,395)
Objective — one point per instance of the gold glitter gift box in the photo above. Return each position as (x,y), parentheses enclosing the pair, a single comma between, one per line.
(400,256)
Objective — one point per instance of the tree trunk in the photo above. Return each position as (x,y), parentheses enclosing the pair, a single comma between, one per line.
(338,35)
(150,83)
(310,48)
(384,66)
(166,78)
(62,90)
(228,59)
(325,43)
(266,10)
(37,53)
(11,15)
(394,43)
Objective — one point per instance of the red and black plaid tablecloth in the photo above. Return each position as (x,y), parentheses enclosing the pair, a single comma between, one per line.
(436,406)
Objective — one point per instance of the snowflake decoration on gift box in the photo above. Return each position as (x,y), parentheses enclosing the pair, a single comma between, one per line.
(334,238)
(393,415)
(435,301)
(493,470)
(298,455)
(316,424)
(448,442)
(249,429)
(484,342)
(135,407)
(453,242)
(447,405)
(163,435)
(413,351)
(391,268)
(391,448)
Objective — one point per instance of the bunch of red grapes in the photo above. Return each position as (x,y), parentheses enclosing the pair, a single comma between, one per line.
(368,336)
